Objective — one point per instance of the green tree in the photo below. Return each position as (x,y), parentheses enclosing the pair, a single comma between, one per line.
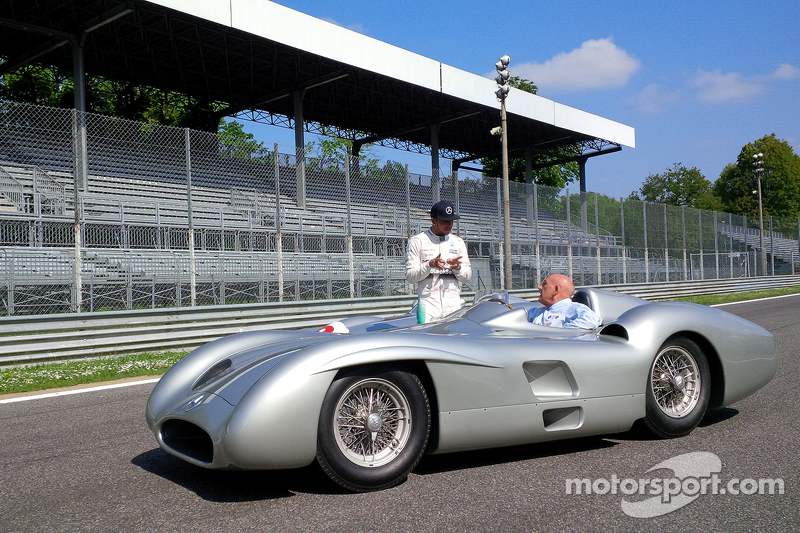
(234,142)
(54,87)
(552,176)
(330,154)
(780,182)
(679,186)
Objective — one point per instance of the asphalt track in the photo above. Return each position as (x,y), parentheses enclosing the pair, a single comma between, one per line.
(87,462)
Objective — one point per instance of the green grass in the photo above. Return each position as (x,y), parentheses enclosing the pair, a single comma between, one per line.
(64,374)
(713,299)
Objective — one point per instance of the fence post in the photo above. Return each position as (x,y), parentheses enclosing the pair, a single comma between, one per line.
(569,238)
(454,174)
(500,238)
(530,186)
(744,239)
(300,149)
(278,237)
(597,234)
(536,220)
(192,264)
(716,245)
(683,232)
(666,245)
(700,232)
(129,285)
(409,233)
(771,247)
(349,229)
(730,241)
(79,153)
(10,264)
(622,231)
(646,250)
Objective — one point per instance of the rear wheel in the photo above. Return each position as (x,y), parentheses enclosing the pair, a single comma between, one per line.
(678,388)
(373,428)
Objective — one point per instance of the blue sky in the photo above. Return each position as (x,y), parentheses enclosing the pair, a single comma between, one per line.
(696,79)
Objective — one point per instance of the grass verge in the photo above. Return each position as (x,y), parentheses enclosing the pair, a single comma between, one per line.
(67,373)
(714,299)
(64,374)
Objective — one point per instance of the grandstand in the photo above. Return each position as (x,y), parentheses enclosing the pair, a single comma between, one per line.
(347,239)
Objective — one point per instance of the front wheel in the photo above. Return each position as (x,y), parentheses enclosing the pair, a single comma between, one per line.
(678,388)
(373,428)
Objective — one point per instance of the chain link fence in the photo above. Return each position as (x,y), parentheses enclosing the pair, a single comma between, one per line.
(100,213)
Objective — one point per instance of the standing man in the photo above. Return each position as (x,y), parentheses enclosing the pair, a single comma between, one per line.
(559,310)
(437,262)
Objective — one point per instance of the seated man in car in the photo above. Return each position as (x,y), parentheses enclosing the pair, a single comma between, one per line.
(559,310)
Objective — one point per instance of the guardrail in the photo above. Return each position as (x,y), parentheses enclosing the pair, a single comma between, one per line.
(38,338)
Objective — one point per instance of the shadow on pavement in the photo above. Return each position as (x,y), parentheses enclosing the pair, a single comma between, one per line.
(433,464)
(226,486)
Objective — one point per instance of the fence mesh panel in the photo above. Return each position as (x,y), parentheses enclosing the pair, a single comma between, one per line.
(175,217)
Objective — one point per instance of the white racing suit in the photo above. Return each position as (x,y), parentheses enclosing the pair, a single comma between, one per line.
(438,289)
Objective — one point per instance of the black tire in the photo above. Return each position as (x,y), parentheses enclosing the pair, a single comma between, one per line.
(373,428)
(678,388)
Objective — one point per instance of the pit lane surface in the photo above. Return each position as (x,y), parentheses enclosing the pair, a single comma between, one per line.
(87,462)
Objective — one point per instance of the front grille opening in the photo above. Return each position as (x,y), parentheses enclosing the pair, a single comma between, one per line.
(188,439)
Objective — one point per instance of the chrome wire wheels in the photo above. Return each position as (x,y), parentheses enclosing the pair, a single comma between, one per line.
(373,427)
(676,382)
(678,388)
(373,422)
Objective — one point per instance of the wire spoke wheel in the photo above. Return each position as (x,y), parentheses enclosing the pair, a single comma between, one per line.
(676,382)
(373,427)
(373,422)
(678,388)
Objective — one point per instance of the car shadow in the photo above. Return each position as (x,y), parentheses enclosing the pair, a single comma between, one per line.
(640,432)
(718,415)
(231,486)
(434,464)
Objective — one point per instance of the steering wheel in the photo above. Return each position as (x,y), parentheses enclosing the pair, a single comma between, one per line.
(500,300)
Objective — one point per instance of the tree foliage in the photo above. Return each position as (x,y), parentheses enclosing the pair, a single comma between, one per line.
(780,182)
(54,87)
(234,142)
(552,176)
(679,186)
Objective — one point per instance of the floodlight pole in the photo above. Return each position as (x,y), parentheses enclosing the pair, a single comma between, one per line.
(758,171)
(506,201)
(502,92)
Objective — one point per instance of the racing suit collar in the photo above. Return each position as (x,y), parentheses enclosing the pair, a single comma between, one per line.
(436,238)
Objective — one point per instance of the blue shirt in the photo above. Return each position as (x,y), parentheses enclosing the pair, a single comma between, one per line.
(564,314)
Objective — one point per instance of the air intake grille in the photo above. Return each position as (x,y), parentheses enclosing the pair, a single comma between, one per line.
(188,439)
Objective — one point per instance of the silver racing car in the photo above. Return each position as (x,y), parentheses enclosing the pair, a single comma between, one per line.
(366,396)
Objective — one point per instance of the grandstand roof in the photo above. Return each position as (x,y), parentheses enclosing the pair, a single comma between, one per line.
(255,54)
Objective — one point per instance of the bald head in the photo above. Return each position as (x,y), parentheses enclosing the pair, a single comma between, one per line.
(555,288)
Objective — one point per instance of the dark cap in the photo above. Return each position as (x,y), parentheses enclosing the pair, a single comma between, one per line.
(444,210)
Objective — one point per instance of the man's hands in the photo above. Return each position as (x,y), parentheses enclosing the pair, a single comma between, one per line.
(452,264)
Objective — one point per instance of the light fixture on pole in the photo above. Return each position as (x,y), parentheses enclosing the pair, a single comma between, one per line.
(502,91)
(758,171)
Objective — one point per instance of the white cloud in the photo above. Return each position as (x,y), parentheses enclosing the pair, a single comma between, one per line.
(715,87)
(597,64)
(655,99)
(786,72)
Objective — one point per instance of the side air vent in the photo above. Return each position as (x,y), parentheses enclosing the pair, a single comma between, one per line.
(188,439)
(615,330)
(550,380)
(563,418)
